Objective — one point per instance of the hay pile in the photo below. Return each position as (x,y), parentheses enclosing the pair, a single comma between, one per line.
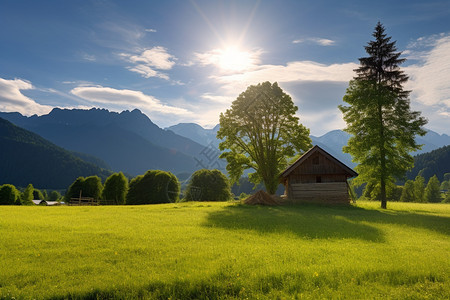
(261,198)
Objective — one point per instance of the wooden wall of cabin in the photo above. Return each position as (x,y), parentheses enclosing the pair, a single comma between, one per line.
(318,169)
(332,192)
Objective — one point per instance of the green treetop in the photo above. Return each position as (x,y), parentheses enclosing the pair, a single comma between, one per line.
(261,132)
(379,118)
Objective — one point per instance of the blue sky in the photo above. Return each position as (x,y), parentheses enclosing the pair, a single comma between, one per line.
(186,61)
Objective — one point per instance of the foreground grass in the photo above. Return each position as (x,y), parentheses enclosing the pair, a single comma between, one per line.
(223,250)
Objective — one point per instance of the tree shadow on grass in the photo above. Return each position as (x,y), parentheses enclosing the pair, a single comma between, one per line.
(321,222)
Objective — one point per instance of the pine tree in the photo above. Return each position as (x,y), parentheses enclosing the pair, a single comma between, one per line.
(379,118)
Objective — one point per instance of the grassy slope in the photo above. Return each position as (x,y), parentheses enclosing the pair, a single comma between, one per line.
(220,250)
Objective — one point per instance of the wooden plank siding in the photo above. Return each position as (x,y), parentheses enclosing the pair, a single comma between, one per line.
(332,192)
(317,177)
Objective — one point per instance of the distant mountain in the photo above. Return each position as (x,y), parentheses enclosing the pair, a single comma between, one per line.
(126,141)
(436,162)
(431,141)
(28,158)
(331,142)
(197,133)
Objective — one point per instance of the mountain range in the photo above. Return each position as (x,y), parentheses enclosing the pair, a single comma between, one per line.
(130,142)
(29,158)
(332,141)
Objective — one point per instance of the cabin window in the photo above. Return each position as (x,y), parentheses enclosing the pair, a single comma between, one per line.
(318,179)
(315,160)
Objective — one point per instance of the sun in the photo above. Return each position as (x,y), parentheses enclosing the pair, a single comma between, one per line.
(234,59)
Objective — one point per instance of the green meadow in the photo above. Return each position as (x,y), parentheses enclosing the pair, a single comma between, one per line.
(226,251)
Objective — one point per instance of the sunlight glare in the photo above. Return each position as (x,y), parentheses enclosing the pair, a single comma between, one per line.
(234,59)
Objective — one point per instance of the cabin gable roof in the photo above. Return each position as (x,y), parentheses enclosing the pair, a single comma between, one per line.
(349,172)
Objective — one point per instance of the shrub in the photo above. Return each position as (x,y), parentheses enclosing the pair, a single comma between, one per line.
(38,195)
(408,192)
(86,187)
(54,196)
(27,195)
(208,185)
(432,191)
(153,187)
(115,189)
(9,195)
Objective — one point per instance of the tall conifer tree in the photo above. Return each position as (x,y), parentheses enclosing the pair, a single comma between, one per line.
(379,117)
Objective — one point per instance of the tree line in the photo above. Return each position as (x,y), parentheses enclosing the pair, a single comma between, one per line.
(10,195)
(153,187)
(417,190)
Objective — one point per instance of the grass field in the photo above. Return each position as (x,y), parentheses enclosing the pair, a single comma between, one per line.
(225,250)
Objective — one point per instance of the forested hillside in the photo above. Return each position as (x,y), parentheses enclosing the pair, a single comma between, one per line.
(28,158)
(128,141)
(436,162)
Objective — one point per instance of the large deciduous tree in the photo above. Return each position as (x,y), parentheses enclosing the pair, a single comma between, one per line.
(261,132)
(379,117)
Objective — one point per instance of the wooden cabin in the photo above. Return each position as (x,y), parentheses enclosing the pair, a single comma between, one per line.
(317,177)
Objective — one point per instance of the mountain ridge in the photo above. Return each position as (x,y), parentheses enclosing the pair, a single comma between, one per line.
(26,157)
(128,141)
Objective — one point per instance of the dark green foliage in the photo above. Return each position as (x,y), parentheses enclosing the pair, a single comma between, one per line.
(261,132)
(41,162)
(447,198)
(208,185)
(9,195)
(419,189)
(115,189)
(436,162)
(27,195)
(432,191)
(54,196)
(408,192)
(372,192)
(75,190)
(38,195)
(92,187)
(379,118)
(153,187)
(85,187)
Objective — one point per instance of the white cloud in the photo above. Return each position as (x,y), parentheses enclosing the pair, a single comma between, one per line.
(150,30)
(429,80)
(323,121)
(12,99)
(149,61)
(148,72)
(89,57)
(297,71)
(318,41)
(126,99)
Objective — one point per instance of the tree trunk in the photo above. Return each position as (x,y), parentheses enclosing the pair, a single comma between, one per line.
(382,157)
(383,193)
